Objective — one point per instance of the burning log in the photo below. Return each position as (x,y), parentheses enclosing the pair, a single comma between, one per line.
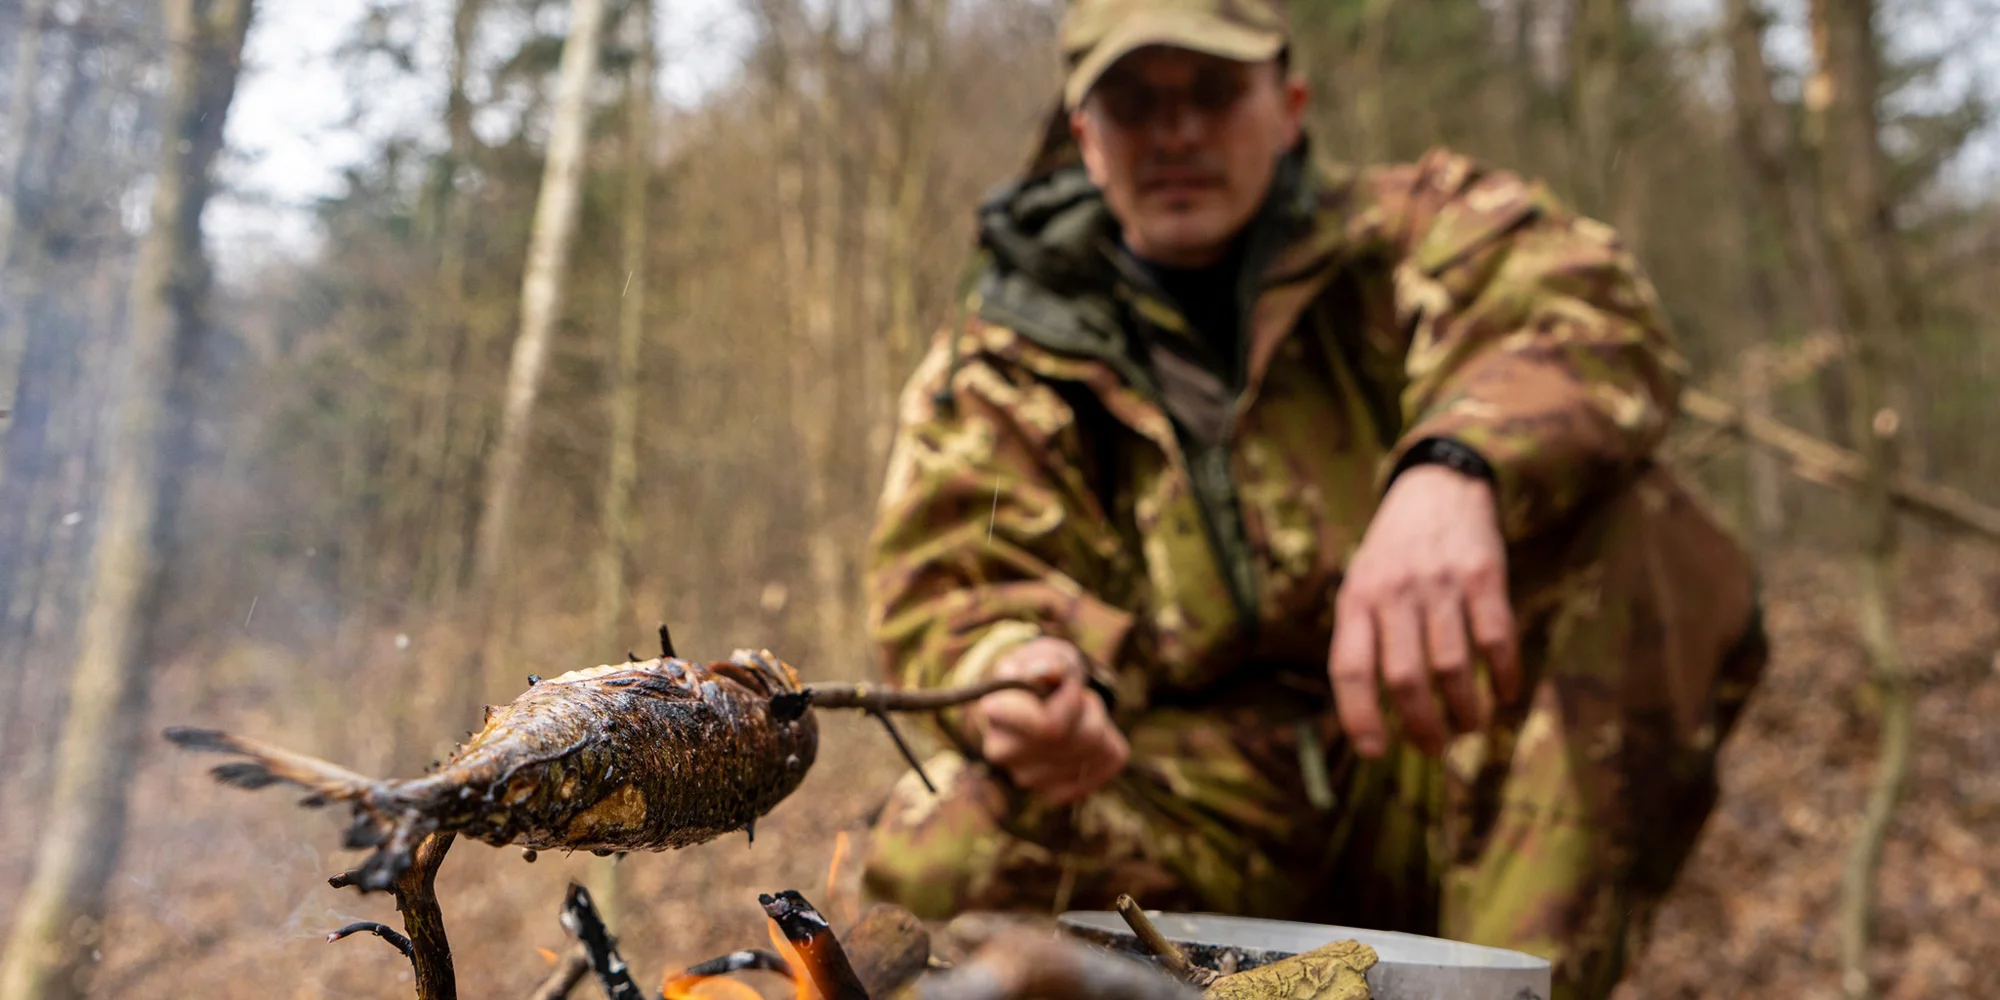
(644,756)
(819,950)
(888,947)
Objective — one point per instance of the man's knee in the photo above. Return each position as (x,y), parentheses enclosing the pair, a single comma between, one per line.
(941,854)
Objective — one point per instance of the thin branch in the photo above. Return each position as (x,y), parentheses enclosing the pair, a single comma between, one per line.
(825,960)
(383,931)
(1170,955)
(903,747)
(1828,464)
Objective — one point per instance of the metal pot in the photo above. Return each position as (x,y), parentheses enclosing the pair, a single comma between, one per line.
(1411,966)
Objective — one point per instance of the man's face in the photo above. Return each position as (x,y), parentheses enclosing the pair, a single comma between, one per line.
(1184,146)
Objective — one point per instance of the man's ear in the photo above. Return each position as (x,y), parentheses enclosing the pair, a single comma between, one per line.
(1296,97)
(1080,128)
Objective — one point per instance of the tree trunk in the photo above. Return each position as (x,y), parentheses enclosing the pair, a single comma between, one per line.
(806,242)
(1371,81)
(916,36)
(615,539)
(14,146)
(1762,147)
(441,558)
(542,290)
(56,932)
(1842,97)
(21,117)
(1779,167)
(1598,47)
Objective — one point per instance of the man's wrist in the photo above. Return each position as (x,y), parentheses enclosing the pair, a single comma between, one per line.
(1447,452)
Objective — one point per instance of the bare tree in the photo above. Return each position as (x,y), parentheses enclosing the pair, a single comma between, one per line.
(1842,100)
(54,934)
(542,289)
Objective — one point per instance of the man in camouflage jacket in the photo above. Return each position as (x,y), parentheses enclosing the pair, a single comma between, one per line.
(1330,492)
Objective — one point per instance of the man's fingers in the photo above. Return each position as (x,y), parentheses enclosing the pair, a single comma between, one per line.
(1451,662)
(1100,753)
(1352,670)
(1492,623)
(1404,673)
(1063,707)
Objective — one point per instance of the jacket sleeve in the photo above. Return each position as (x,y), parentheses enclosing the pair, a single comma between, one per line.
(1535,339)
(987,534)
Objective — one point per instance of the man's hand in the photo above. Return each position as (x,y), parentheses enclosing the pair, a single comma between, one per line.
(1062,747)
(1427,586)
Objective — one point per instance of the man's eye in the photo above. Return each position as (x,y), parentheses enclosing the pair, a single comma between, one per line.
(1128,105)
(1216,91)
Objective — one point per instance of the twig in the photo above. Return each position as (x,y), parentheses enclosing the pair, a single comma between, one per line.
(1828,464)
(747,960)
(383,931)
(877,699)
(568,972)
(1170,955)
(581,918)
(423,920)
(903,747)
(825,961)
(1022,964)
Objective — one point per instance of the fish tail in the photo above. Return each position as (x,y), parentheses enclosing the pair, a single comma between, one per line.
(270,765)
(382,821)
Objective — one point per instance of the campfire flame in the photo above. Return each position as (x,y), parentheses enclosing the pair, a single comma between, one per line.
(802,985)
(707,989)
(833,870)
(679,987)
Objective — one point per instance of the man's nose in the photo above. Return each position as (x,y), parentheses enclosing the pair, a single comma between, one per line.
(1177,125)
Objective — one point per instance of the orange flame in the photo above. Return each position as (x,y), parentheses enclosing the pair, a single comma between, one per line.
(680,987)
(802,984)
(833,870)
(547,955)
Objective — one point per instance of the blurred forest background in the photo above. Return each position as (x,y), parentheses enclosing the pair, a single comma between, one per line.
(602,361)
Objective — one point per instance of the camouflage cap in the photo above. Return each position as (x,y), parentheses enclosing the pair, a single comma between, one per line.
(1097,33)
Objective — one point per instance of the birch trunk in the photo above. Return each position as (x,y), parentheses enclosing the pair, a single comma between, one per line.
(542,288)
(56,931)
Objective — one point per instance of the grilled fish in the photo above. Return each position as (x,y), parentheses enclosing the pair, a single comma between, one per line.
(643,756)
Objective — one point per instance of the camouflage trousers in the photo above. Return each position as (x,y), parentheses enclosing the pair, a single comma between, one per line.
(1556,831)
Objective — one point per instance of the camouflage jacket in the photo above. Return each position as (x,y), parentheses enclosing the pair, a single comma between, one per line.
(1058,468)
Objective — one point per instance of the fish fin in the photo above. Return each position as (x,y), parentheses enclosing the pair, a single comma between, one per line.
(750,830)
(269,765)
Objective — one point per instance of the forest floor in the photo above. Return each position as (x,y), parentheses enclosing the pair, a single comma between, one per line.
(222,894)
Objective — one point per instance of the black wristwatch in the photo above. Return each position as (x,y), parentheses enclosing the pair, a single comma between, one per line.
(1454,455)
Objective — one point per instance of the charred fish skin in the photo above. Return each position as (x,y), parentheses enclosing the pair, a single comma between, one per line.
(645,756)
